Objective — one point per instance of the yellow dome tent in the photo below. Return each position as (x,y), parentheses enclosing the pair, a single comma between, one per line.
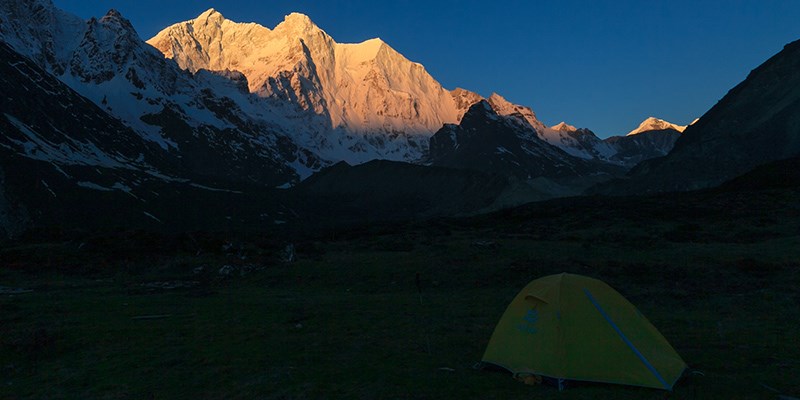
(571,327)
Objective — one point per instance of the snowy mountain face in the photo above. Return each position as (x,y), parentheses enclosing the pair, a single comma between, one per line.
(655,124)
(653,138)
(40,31)
(633,149)
(56,145)
(355,101)
(66,162)
(522,114)
(35,106)
(584,144)
(205,120)
(581,143)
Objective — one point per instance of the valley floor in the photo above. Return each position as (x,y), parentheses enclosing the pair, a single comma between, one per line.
(142,316)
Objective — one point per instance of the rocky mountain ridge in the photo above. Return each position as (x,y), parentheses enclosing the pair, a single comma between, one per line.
(658,140)
(655,124)
(367,98)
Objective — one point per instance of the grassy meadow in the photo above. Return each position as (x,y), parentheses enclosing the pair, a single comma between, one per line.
(397,312)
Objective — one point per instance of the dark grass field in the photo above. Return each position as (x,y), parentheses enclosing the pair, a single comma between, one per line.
(716,272)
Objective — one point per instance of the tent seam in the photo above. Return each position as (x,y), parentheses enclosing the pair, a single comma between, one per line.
(625,339)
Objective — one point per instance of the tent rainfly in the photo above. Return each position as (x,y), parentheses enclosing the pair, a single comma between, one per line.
(571,327)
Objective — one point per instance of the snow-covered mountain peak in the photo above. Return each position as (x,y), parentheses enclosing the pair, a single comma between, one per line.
(503,106)
(113,14)
(352,54)
(209,17)
(211,13)
(500,102)
(464,93)
(298,19)
(119,24)
(656,124)
(356,101)
(564,127)
(298,25)
(464,99)
(508,109)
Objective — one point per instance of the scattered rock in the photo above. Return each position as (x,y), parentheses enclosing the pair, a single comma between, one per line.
(145,317)
(170,284)
(485,244)
(10,290)
(241,270)
(227,270)
(234,250)
(288,254)
(198,270)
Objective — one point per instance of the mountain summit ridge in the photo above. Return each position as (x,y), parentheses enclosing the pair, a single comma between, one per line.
(656,124)
(364,89)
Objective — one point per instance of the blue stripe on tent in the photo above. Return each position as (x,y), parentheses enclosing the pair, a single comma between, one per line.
(625,339)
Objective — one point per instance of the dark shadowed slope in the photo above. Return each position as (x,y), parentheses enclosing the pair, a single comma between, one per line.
(507,145)
(387,190)
(633,149)
(758,121)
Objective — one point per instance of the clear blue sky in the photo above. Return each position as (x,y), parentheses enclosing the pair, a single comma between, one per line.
(604,65)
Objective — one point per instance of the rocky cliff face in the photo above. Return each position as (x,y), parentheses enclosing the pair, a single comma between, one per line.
(40,31)
(364,98)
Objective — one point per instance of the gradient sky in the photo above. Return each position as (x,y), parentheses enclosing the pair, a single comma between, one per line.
(603,65)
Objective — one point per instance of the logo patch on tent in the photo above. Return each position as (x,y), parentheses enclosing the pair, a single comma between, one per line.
(529,324)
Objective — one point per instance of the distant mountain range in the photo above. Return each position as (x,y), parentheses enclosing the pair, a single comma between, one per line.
(95,119)
(366,100)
